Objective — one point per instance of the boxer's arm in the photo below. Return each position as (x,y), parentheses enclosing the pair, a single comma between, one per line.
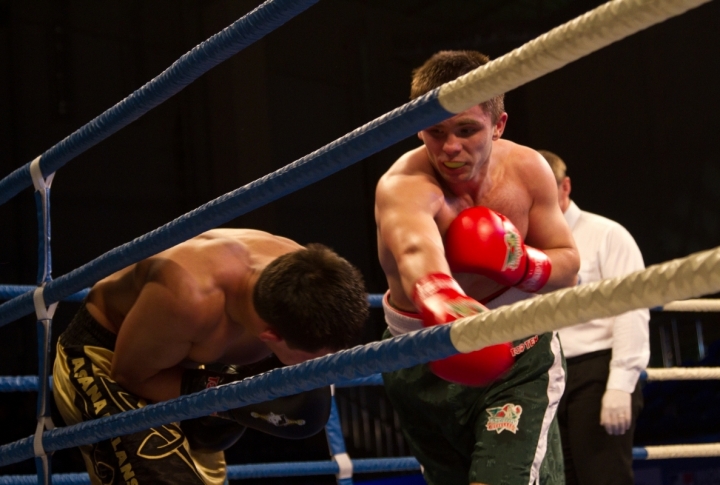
(547,228)
(441,300)
(296,416)
(405,209)
(156,336)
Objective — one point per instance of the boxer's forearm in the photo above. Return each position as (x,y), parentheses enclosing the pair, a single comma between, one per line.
(565,266)
(417,261)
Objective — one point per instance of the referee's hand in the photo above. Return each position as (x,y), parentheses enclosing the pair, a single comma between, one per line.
(616,413)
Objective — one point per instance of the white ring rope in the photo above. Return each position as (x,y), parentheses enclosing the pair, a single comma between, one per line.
(698,305)
(571,41)
(682,451)
(683,373)
(679,279)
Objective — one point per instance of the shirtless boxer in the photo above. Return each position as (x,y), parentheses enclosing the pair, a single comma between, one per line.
(465,219)
(224,305)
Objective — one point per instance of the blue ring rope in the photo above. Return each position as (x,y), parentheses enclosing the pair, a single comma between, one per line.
(368,465)
(30,383)
(388,355)
(203,57)
(335,440)
(57,479)
(8,292)
(267,470)
(261,470)
(375,300)
(23,383)
(343,152)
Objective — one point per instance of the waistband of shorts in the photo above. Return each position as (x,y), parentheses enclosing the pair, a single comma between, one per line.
(398,321)
(590,355)
(85,330)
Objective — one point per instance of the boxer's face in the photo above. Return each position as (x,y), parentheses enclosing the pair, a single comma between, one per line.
(460,146)
(291,356)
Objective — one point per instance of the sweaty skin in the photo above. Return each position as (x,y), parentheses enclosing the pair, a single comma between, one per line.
(190,304)
(464,163)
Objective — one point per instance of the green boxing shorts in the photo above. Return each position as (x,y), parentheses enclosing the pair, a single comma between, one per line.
(502,434)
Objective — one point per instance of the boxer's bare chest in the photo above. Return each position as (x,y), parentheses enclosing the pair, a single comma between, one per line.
(510,199)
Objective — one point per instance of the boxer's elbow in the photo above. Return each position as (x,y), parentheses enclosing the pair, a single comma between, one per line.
(128,380)
(123,379)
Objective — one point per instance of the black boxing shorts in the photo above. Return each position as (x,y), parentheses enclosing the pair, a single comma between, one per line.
(83,391)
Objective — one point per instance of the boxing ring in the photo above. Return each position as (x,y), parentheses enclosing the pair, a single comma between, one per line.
(656,286)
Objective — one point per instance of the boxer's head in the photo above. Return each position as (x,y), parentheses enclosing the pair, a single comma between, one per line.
(446,66)
(313,299)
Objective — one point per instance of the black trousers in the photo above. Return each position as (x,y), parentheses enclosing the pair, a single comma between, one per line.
(592,456)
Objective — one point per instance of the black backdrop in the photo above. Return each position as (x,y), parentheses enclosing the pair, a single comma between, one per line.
(633,121)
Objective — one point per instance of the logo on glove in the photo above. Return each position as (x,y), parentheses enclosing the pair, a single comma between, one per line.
(464,308)
(514,250)
(504,418)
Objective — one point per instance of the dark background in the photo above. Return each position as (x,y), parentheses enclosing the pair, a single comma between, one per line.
(635,123)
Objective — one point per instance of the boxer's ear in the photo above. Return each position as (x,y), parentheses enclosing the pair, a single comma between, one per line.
(269,335)
(499,126)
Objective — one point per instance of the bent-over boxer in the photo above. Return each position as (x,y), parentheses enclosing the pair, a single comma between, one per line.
(220,307)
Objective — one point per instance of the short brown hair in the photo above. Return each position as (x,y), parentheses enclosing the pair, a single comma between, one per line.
(313,298)
(557,165)
(446,66)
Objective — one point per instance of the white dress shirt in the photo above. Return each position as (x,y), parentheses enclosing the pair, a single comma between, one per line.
(607,250)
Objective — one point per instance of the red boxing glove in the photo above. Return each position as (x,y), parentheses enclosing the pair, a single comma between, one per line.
(481,241)
(441,300)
